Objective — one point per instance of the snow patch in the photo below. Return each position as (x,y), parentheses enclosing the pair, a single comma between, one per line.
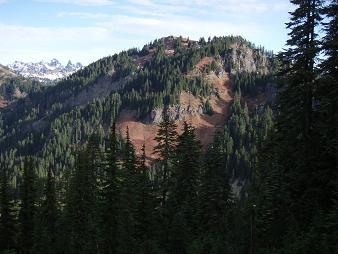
(45,71)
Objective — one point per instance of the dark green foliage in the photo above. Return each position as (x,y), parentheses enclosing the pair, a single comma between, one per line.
(50,122)
(244,134)
(216,202)
(7,219)
(295,121)
(330,42)
(207,109)
(251,83)
(271,210)
(109,197)
(261,188)
(296,181)
(46,219)
(27,207)
(129,199)
(183,198)
(145,214)
(166,139)
(80,208)
(12,85)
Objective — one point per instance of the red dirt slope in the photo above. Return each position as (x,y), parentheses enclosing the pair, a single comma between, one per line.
(205,125)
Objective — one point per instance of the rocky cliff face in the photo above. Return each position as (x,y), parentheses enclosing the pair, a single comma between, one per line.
(246,59)
(177,112)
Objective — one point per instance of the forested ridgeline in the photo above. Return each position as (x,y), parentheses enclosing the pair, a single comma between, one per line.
(109,200)
(51,123)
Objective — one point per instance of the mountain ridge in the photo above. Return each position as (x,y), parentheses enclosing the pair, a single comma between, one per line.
(44,71)
(196,80)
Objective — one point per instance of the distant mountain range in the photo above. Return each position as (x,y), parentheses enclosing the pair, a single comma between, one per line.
(45,71)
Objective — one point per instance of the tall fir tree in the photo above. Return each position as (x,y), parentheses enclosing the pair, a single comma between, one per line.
(127,242)
(326,116)
(326,95)
(270,198)
(109,201)
(7,226)
(166,139)
(216,201)
(183,197)
(296,176)
(144,215)
(295,122)
(46,219)
(80,208)
(27,207)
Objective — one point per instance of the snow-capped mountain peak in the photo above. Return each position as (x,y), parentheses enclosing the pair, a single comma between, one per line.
(45,71)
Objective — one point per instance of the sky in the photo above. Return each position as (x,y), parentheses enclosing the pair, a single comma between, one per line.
(87,30)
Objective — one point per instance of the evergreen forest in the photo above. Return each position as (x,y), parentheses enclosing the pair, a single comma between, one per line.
(72,182)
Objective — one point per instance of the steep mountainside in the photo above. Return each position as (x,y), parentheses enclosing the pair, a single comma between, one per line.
(6,73)
(44,71)
(13,86)
(197,81)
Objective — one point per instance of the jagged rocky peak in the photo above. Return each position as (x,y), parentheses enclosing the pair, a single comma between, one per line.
(45,71)
(69,64)
(54,62)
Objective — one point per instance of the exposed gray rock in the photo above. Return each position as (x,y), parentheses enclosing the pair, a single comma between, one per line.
(245,59)
(175,112)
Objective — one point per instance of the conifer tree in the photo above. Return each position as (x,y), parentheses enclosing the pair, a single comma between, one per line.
(127,235)
(166,141)
(326,102)
(45,230)
(216,201)
(295,121)
(271,198)
(7,227)
(144,215)
(330,44)
(294,167)
(183,198)
(299,60)
(110,197)
(325,115)
(27,207)
(81,207)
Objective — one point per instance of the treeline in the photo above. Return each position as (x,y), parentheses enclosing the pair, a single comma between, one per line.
(110,201)
(115,203)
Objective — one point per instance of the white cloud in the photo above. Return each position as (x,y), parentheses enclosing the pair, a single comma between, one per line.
(81,2)
(108,35)
(36,43)
(83,15)
(177,25)
(141,21)
(230,6)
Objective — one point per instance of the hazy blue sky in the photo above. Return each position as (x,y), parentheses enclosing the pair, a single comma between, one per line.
(86,30)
